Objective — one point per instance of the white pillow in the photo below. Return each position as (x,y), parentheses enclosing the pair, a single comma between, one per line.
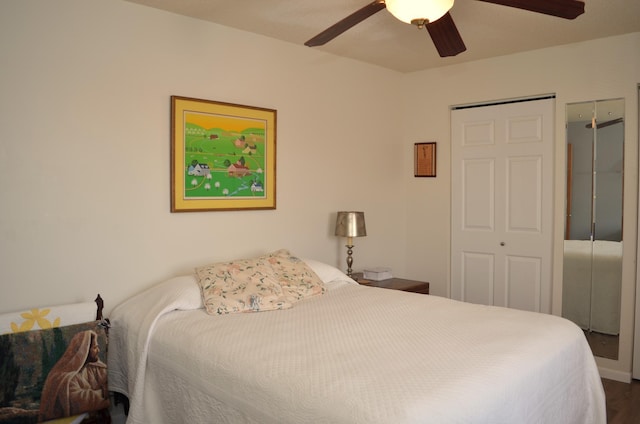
(328,273)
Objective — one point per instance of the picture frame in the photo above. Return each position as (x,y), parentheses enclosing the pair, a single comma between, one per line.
(424,164)
(223,156)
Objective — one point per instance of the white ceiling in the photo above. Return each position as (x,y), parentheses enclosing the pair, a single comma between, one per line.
(488,30)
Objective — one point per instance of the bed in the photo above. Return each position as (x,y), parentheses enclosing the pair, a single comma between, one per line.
(353,354)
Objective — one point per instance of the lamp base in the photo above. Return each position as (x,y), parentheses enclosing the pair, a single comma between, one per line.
(349,260)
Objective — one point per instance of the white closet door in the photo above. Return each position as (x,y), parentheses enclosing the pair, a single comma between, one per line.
(502,180)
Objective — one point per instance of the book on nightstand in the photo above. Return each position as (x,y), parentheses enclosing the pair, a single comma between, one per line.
(377,273)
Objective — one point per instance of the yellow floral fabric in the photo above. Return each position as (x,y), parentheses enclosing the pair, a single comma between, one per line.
(269,282)
(47,317)
(33,317)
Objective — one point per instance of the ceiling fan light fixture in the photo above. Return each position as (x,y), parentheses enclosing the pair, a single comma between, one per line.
(410,11)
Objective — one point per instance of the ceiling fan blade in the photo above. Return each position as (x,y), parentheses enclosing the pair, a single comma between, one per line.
(568,9)
(348,22)
(446,37)
(605,123)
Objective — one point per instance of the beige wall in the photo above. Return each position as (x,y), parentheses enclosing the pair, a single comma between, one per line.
(84,147)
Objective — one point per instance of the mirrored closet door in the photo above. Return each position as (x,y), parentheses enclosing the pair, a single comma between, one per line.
(593,243)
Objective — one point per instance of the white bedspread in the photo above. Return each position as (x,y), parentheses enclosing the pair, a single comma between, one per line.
(354,355)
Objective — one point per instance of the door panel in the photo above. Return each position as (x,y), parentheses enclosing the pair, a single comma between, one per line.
(480,133)
(501,241)
(477,277)
(479,210)
(523,277)
(524,129)
(524,200)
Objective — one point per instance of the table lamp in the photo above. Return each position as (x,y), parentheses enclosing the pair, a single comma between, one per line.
(350,224)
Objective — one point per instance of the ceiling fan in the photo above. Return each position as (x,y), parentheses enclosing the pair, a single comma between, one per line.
(604,124)
(435,17)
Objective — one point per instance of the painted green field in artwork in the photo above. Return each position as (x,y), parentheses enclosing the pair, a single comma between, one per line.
(220,163)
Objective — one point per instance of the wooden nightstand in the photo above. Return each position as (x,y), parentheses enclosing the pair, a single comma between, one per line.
(395,284)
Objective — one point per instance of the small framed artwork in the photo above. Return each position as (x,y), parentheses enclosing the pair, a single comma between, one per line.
(223,156)
(424,159)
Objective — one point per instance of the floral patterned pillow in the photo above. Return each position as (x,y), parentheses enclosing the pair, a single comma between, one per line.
(297,279)
(269,282)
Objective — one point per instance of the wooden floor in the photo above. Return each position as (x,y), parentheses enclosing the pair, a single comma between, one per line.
(623,401)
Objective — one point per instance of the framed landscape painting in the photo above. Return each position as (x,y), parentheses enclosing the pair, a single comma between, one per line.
(223,156)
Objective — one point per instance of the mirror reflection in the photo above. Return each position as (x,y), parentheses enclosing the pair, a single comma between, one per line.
(593,228)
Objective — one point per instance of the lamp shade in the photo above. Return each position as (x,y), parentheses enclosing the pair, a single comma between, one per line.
(410,10)
(350,224)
